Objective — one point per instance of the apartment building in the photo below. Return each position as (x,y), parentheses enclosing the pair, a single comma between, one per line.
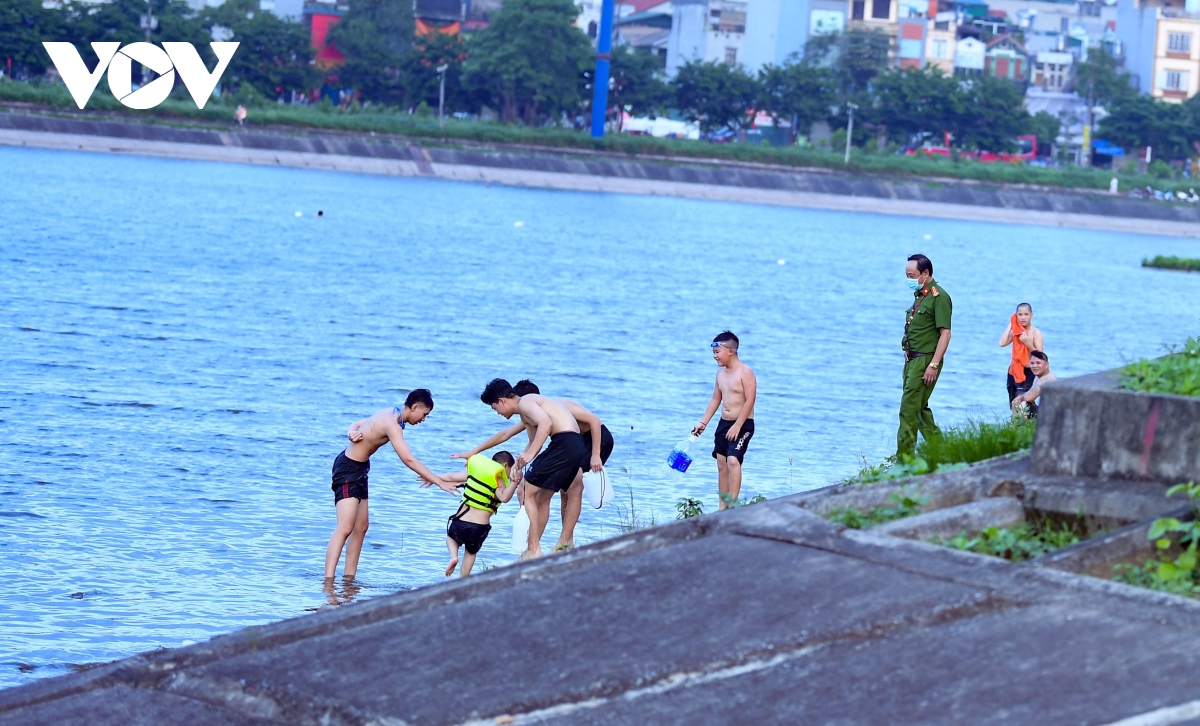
(1161,43)
(777,30)
(706,30)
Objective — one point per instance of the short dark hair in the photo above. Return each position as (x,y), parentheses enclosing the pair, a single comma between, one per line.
(727,336)
(504,458)
(1025,305)
(923,263)
(419,395)
(525,387)
(1039,354)
(496,389)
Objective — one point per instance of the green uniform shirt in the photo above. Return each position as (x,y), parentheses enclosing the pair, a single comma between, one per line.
(931,310)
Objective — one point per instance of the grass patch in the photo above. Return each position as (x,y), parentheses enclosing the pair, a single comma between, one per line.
(1021,542)
(956,448)
(1177,541)
(1177,373)
(902,506)
(1165,262)
(386,120)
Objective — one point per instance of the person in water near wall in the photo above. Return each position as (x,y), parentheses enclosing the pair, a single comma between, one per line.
(1023,338)
(734,393)
(1026,404)
(926,338)
(487,483)
(600,445)
(350,470)
(550,471)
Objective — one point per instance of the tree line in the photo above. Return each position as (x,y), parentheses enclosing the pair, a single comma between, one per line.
(532,65)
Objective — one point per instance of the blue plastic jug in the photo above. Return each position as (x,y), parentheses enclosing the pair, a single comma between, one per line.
(679,459)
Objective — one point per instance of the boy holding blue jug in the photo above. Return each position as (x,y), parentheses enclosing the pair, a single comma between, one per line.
(734,393)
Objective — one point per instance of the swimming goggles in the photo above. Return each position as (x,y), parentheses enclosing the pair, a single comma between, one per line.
(722,344)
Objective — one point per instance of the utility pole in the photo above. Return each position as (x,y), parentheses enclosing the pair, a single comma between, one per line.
(1091,124)
(441,71)
(603,61)
(849,128)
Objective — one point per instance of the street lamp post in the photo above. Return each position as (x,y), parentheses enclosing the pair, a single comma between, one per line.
(441,70)
(849,129)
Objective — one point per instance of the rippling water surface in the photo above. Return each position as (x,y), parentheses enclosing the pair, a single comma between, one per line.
(182,356)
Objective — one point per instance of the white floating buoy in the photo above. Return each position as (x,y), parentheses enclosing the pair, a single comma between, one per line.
(783,262)
(928,236)
(298,214)
(518,224)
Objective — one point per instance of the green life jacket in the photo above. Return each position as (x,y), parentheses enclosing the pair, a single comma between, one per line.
(480,489)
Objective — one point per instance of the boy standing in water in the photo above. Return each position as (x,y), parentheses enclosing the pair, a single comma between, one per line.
(487,483)
(350,470)
(1023,338)
(734,392)
(1026,403)
(552,470)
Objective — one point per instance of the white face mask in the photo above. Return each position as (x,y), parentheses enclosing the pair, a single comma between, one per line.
(913,285)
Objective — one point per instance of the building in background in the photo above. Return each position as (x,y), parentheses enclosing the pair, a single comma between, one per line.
(1006,57)
(1052,70)
(969,57)
(705,30)
(647,27)
(1161,46)
(777,30)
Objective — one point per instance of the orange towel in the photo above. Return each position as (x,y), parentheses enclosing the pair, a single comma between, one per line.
(1020,352)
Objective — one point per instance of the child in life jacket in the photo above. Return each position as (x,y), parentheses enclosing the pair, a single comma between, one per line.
(487,483)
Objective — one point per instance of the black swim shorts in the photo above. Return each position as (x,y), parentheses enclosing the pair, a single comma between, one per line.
(468,534)
(606,447)
(736,448)
(349,478)
(556,467)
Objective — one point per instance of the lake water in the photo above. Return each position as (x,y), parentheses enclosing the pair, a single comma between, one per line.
(183,354)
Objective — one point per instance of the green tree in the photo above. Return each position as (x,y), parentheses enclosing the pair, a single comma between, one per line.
(993,115)
(427,54)
(1045,126)
(1100,78)
(1143,121)
(637,82)
(274,54)
(24,24)
(912,101)
(797,93)
(715,95)
(376,37)
(854,57)
(530,60)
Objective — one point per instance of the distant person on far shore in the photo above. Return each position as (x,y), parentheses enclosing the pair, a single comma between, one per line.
(350,470)
(1024,338)
(240,115)
(1026,404)
(734,392)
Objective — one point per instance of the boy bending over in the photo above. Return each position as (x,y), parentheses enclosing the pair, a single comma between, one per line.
(487,483)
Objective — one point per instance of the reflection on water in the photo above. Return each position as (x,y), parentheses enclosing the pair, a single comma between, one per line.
(341,590)
(183,355)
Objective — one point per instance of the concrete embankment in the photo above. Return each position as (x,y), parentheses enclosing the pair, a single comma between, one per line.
(612,173)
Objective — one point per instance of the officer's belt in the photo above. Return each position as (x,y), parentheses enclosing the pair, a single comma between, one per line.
(913,355)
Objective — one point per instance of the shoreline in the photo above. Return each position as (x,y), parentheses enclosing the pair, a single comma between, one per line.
(507,171)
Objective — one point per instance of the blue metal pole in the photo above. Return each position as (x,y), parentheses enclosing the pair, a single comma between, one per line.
(603,59)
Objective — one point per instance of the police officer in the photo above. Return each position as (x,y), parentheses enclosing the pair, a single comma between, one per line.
(926,337)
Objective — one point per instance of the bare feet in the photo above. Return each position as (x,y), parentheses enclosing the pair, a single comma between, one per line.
(562,545)
(530,555)
(450,567)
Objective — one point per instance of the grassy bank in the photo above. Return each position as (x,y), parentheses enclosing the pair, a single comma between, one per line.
(382,120)
(1177,373)
(955,448)
(1164,262)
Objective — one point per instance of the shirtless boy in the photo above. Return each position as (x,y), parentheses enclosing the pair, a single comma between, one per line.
(600,445)
(350,474)
(552,470)
(1021,325)
(734,392)
(487,483)
(1027,403)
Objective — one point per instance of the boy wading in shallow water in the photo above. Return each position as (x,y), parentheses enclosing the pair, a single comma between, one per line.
(350,470)
(553,470)
(734,392)
(487,483)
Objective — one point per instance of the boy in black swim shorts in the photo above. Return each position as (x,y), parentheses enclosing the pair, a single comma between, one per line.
(734,393)
(487,483)
(351,467)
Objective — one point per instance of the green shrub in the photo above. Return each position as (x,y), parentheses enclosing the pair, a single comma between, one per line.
(1021,542)
(1177,574)
(902,506)
(956,448)
(1163,262)
(1177,373)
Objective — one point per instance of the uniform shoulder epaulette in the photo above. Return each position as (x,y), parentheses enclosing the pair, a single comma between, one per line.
(935,290)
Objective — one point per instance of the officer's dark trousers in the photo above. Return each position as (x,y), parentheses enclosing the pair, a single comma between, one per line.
(914,407)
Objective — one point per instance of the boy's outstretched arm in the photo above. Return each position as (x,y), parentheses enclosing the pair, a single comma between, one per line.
(751,383)
(396,436)
(495,440)
(541,419)
(713,404)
